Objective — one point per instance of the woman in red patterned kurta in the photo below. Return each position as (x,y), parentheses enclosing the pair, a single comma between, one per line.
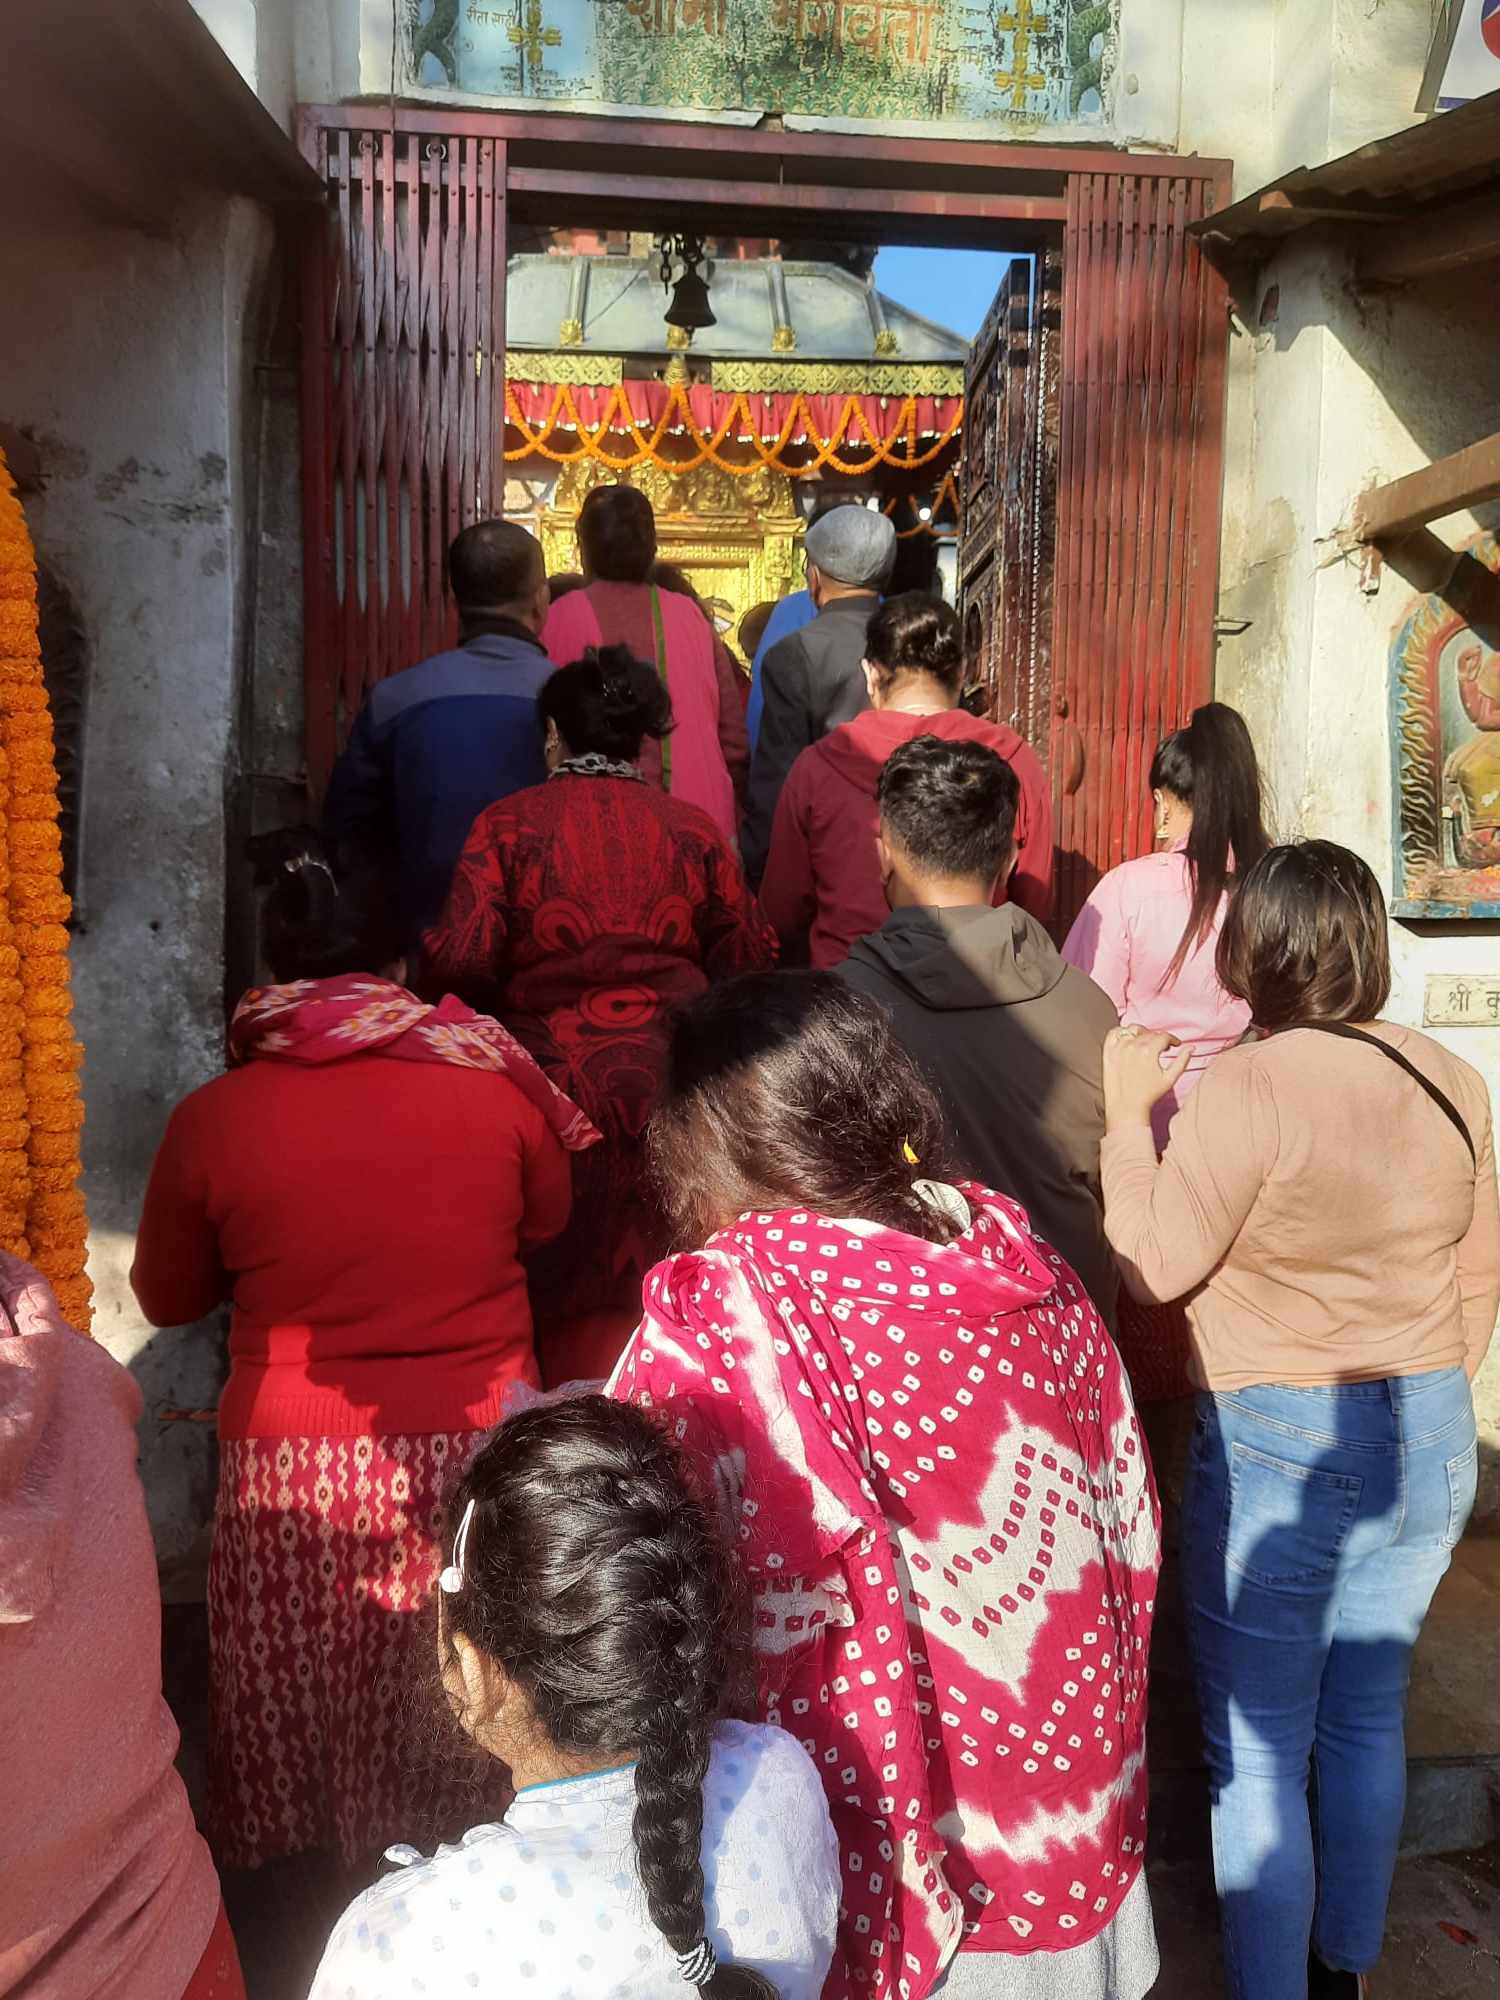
(944,1506)
(580,913)
(362,1186)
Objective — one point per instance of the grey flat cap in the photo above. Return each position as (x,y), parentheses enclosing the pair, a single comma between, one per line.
(853,545)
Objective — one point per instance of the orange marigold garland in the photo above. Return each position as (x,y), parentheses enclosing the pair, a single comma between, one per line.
(41,1105)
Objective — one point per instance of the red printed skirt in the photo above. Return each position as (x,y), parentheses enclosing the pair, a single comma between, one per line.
(218,1976)
(326,1552)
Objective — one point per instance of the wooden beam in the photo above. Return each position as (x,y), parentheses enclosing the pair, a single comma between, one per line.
(39,147)
(134,107)
(1290,210)
(658,192)
(860,158)
(1451,239)
(1463,479)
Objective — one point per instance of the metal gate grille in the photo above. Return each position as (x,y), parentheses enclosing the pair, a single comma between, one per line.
(1009,497)
(403,401)
(1144,331)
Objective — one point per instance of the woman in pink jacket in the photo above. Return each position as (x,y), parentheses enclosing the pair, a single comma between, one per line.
(106,1888)
(706,759)
(1147,935)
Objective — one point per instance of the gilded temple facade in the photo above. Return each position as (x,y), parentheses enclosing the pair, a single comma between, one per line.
(809,379)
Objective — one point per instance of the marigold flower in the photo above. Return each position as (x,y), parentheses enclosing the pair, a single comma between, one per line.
(41,1108)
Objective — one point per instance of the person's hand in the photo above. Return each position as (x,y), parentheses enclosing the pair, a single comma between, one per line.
(1135,1077)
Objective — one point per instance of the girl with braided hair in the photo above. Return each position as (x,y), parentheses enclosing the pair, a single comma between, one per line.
(591,1640)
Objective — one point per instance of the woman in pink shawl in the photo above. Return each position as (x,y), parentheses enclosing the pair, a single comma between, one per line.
(707,756)
(928,1446)
(363,1186)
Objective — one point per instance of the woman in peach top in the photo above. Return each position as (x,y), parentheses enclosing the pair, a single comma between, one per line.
(1328,1202)
(1147,936)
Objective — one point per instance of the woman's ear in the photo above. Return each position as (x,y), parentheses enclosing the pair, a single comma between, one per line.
(475,1687)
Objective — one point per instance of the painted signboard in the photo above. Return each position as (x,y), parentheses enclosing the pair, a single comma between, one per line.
(1465,59)
(1445,752)
(1026,64)
(1460,1000)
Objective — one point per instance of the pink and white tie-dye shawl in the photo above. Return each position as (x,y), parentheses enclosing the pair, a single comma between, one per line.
(946,1512)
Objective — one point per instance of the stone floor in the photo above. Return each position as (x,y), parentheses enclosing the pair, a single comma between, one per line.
(1443,1942)
(1442,1939)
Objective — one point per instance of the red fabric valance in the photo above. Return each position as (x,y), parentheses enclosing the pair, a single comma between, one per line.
(829,416)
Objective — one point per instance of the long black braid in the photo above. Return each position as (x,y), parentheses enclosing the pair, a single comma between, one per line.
(594,1576)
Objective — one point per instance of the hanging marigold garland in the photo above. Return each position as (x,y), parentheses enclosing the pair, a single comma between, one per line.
(41,1105)
(948,496)
(901,450)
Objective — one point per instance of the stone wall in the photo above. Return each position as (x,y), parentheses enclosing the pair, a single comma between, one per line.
(127,363)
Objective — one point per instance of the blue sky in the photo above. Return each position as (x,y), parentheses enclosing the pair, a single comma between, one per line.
(954,287)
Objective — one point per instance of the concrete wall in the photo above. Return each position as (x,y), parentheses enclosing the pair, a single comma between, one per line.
(123,359)
(289,51)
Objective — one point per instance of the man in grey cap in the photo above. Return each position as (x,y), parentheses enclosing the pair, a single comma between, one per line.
(813,680)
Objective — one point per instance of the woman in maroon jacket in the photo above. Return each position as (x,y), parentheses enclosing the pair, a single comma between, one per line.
(822,887)
(581,912)
(361,1185)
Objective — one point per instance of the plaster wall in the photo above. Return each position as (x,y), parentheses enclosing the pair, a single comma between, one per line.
(288,51)
(135,408)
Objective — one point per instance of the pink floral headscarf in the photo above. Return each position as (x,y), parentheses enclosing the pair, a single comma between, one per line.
(324,1020)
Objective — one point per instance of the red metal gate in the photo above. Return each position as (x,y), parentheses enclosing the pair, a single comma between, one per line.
(1144,333)
(403,401)
(1091,525)
(1009,496)
(1091,480)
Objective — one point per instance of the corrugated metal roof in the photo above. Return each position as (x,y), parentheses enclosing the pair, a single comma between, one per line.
(828,309)
(1409,174)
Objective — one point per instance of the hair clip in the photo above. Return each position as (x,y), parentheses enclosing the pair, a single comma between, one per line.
(699,1965)
(911,1158)
(941,1199)
(295,863)
(452,1579)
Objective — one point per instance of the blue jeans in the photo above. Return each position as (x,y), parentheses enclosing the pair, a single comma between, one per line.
(1316,1527)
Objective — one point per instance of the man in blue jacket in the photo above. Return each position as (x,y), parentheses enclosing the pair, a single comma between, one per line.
(436,744)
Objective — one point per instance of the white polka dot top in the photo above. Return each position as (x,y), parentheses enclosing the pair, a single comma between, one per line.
(549,1904)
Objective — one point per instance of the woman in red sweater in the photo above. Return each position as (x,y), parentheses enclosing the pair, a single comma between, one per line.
(361,1185)
(581,912)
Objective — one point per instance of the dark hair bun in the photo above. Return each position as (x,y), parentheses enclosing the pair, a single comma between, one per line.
(286,850)
(917,633)
(606,704)
(318,920)
(621,700)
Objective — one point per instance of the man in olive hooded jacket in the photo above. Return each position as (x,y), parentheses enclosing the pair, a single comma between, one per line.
(1010,1036)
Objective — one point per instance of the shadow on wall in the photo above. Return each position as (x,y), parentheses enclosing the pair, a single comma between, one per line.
(180,1373)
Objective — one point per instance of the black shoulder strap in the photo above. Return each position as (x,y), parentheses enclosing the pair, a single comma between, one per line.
(1440,1098)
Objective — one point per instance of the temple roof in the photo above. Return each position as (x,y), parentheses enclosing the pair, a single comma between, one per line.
(613,306)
